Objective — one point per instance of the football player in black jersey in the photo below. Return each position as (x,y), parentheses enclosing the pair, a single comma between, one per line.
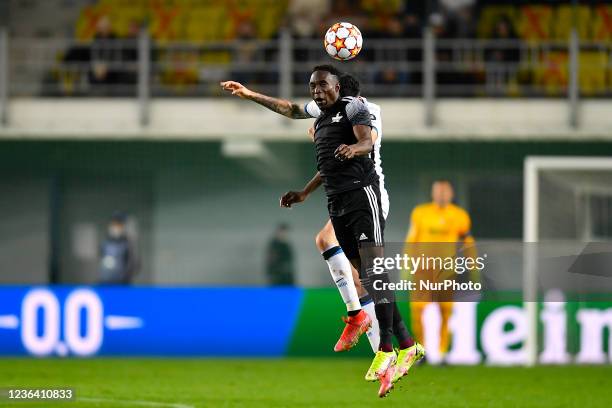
(343,144)
(359,304)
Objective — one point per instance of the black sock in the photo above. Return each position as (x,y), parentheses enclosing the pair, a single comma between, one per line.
(353,312)
(384,306)
(384,299)
(399,329)
(384,314)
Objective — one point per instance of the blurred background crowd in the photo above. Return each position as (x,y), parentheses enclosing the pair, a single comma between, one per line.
(485,47)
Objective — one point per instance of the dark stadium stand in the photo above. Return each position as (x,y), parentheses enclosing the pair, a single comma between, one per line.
(488,48)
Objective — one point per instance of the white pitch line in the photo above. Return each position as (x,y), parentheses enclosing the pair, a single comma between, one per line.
(136,402)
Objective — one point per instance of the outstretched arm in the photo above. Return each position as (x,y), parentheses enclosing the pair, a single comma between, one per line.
(295,197)
(281,106)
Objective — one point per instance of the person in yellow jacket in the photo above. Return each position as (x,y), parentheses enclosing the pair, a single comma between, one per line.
(438,229)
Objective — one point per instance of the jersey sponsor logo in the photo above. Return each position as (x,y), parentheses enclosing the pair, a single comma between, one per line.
(372,116)
(337,118)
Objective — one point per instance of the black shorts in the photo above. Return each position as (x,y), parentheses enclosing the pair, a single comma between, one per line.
(357,218)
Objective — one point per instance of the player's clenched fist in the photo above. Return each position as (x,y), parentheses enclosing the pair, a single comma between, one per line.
(292,197)
(344,152)
(236,88)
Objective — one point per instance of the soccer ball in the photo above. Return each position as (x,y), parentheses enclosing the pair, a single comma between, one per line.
(343,41)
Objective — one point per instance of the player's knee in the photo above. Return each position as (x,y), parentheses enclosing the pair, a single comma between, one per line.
(323,242)
(320,242)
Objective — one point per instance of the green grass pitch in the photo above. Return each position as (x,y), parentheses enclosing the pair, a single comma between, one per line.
(332,382)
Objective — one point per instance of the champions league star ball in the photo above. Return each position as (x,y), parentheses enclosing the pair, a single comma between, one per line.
(343,41)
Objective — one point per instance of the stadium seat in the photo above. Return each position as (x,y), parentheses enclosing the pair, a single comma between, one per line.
(213,30)
(207,20)
(552,73)
(602,23)
(386,7)
(268,19)
(167,23)
(592,72)
(564,20)
(534,22)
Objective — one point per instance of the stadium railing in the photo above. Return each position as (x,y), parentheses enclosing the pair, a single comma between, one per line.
(142,68)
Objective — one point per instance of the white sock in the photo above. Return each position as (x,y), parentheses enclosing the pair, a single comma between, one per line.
(340,269)
(374,332)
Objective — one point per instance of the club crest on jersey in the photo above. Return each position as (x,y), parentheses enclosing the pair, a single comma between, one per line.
(336,119)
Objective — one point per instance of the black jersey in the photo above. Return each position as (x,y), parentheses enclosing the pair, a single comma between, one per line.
(333,128)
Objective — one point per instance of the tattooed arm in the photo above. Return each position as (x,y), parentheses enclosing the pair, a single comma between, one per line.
(280,106)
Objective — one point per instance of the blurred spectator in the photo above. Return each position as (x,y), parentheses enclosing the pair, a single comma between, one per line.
(104,56)
(454,67)
(245,52)
(304,17)
(504,30)
(462,24)
(73,72)
(129,55)
(280,263)
(439,27)
(390,75)
(412,26)
(345,10)
(459,18)
(501,60)
(413,30)
(118,258)
(452,7)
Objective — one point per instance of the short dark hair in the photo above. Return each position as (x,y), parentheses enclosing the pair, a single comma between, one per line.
(119,217)
(328,68)
(349,85)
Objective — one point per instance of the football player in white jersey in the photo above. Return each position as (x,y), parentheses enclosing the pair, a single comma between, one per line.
(346,278)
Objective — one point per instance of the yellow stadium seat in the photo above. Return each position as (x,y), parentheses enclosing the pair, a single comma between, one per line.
(552,73)
(602,23)
(268,20)
(216,57)
(207,24)
(534,22)
(195,31)
(382,6)
(564,20)
(167,23)
(608,80)
(592,72)
(192,20)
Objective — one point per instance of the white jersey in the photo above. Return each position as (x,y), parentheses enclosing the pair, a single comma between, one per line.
(313,110)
